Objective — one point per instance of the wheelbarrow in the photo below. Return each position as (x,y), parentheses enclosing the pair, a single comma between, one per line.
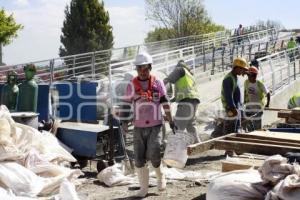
(89,142)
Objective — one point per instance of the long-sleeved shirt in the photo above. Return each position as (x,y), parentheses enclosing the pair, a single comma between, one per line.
(232,98)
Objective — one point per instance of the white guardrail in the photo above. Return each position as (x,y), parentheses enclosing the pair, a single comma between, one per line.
(95,64)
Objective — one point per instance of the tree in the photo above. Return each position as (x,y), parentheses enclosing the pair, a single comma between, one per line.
(182,17)
(270,24)
(86,28)
(8,30)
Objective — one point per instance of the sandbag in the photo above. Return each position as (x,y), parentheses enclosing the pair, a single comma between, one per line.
(20,180)
(67,191)
(8,195)
(237,185)
(113,176)
(287,189)
(5,132)
(275,168)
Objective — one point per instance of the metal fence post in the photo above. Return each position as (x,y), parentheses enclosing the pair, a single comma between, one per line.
(51,64)
(288,67)
(273,76)
(73,67)
(250,52)
(223,52)
(213,61)
(93,65)
(204,59)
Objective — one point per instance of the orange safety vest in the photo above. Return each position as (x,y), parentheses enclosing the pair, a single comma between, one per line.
(139,90)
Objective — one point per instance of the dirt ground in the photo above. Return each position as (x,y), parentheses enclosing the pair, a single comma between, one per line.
(93,189)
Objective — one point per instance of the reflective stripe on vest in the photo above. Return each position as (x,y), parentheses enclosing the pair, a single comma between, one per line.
(185,87)
(234,82)
(261,94)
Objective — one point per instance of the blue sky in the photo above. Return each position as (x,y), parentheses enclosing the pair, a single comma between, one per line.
(42,20)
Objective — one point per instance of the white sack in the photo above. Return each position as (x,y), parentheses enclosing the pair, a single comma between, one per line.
(24,182)
(237,185)
(20,180)
(45,143)
(274,169)
(113,176)
(67,191)
(287,189)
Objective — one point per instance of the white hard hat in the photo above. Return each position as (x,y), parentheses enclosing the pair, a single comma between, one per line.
(143,59)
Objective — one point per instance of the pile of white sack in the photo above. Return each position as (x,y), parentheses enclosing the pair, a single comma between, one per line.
(274,180)
(32,163)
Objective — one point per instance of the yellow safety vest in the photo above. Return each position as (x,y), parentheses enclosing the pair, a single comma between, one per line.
(261,93)
(293,101)
(185,87)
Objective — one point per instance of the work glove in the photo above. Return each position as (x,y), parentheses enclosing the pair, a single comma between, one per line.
(173,126)
(232,112)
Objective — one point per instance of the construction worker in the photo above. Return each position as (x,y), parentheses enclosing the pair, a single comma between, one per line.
(187,97)
(291,43)
(294,101)
(231,95)
(254,98)
(239,33)
(290,47)
(147,94)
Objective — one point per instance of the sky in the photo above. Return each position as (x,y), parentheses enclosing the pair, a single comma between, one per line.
(43,19)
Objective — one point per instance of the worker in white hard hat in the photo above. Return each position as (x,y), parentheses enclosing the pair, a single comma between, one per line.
(231,95)
(255,93)
(147,94)
(187,98)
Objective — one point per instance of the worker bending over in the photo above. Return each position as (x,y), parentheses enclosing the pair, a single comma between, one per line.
(187,97)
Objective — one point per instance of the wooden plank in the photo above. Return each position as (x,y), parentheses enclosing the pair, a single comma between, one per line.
(241,163)
(276,135)
(263,141)
(265,149)
(201,147)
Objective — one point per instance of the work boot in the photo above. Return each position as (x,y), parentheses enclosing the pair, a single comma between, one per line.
(161,178)
(143,175)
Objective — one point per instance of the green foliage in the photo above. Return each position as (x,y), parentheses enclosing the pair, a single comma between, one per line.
(8,28)
(86,28)
(178,18)
(160,34)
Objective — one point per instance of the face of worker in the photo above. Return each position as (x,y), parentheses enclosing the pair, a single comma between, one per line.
(252,77)
(29,74)
(11,79)
(240,71)
(143,72)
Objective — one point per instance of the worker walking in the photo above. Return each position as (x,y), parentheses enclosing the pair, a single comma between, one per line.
(239,33)
(291,43)
(187,97)
(147,95)
(231,95)
(290,47)
(294,101)
(255,93)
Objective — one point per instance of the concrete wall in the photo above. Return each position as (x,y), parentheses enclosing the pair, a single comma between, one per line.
(280,100)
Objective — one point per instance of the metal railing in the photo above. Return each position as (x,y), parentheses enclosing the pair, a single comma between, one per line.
(95,64)
(280,69)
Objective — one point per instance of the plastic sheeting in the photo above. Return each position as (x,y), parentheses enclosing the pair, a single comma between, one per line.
(30,161)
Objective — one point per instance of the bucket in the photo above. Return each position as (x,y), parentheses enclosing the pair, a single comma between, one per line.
(176,150)
(26,118)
